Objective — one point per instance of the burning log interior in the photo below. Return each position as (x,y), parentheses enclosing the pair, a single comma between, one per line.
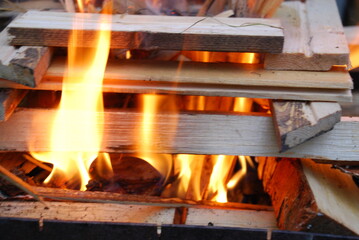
(190,119)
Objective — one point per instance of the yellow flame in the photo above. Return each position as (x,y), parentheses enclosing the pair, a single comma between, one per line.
(240,174)
(77,130)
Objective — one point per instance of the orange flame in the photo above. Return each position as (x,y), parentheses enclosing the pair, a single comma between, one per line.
(77,129)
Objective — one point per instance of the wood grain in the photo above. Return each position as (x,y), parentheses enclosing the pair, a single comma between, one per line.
(300,192)
(205,133)
(152,32)
(24,65)
(314,37)
(296,122)
(9,100)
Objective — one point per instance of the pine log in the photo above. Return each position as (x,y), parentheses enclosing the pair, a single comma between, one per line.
(314,36)
(296,122)
(312,197)
(210,79)
(25,65)
(205,133)
(9,100)
(153,32)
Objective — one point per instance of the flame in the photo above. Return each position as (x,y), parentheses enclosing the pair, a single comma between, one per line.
(77,129)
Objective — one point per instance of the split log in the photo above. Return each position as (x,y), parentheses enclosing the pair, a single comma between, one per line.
(307,196)
(210,79)
(205,133)
(25,65)
(153,32)
(314,36)
(296,122)
(9,100)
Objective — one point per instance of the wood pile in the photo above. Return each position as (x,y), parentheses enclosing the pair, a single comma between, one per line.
(302,72)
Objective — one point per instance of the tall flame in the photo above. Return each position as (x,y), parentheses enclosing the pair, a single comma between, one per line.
(77,130)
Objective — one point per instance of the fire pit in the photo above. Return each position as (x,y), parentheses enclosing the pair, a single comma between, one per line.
(170,142)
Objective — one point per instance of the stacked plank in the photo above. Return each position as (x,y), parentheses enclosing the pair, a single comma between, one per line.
(298,66)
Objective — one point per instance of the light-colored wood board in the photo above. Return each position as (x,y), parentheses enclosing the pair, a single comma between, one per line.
(293,200)
(9,100)
(314,37)
(24,65)
(150,87)
(195,134)
(231,218)
(87,212)
(152,32)
(296,122)
(335,192)
(212,73)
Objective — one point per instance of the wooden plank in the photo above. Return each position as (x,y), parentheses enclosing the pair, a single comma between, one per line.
(152,32)
(310,197)
(314,37)
(25,65)
(9,100)
(231,218)
(296,122)
(195,134)
(116,198)
(87,212)
(210,79)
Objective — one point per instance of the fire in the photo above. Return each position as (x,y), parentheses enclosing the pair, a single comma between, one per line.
(77,130)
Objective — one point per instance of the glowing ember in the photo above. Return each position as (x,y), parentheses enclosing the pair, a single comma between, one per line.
(79,120)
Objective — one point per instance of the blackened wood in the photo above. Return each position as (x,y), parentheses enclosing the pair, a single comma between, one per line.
(296,122)
(25,65)
(152,32)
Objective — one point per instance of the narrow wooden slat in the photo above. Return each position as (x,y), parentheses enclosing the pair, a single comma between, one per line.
(195,134)
(87,212)
(314,37)
(9,100)
(153,32)
(25,65)
(296,122)
(107,197)
(210,79)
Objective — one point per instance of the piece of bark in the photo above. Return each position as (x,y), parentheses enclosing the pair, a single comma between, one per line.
(296,122)
(152,32)
(310,197)
(314,36)
(25,65)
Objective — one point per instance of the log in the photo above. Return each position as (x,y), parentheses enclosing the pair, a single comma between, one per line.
(205,133)
(312,197)
(153,32)
(296,122)
(314,36)
(25,65)
(210,79)
(9,100)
